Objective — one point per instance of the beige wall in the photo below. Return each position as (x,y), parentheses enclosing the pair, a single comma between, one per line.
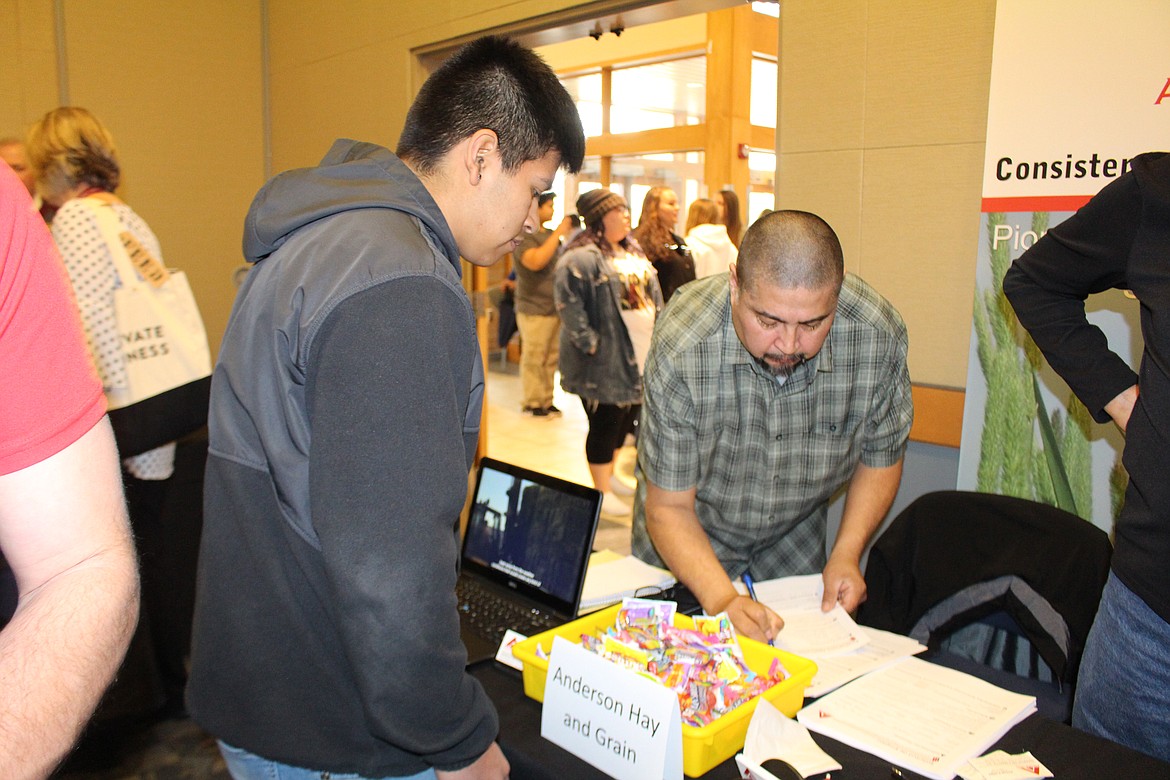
(179,84)
(883,111)
(351,73)
(882,117)
(28,81)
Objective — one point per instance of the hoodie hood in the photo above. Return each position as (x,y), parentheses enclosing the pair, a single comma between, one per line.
(714,236)
(711,249)
(353,175)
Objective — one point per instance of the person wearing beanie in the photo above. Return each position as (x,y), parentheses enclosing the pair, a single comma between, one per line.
(536,314)
(593,205)
(608,297)
(666,250)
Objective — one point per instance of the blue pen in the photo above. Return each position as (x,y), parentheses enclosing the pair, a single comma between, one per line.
(750,584)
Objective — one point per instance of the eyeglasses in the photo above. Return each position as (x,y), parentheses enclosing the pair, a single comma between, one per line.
(650,592)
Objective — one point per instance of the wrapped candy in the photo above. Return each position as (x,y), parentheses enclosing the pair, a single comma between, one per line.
(704,666)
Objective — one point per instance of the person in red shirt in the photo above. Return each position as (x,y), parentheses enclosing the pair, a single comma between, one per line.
(63,524)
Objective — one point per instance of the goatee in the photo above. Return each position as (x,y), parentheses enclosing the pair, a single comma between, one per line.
(788,364)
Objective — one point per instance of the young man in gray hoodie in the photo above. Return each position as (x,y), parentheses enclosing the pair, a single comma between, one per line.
(344,417)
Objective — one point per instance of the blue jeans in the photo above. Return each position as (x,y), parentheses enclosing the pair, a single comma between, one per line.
(1123,688)
(243,765)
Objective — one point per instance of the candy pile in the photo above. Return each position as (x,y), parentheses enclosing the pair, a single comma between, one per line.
(704,666)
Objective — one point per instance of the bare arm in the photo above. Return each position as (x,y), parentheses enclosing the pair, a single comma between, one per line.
(869,497)
(63,529)
(679,538)
(538,257)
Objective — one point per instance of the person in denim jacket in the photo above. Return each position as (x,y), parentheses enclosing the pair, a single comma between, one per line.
(608,297)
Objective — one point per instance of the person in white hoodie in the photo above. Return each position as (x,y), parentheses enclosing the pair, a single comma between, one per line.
(711,247)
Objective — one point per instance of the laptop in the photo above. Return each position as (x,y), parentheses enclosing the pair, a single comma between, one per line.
(527,545)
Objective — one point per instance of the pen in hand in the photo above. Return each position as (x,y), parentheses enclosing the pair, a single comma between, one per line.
(750,584)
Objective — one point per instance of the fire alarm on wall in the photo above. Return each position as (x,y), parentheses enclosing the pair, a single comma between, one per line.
(743,151)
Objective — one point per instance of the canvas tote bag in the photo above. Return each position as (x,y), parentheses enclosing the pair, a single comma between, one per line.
(164,345)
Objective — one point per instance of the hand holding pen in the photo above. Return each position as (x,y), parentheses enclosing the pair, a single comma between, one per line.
(750,584)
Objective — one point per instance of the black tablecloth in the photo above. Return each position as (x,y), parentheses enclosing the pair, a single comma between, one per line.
(1066,752)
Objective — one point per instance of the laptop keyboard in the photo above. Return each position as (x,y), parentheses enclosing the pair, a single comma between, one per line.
(490,615)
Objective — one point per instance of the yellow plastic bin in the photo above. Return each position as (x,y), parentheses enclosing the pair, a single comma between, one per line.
(710,745)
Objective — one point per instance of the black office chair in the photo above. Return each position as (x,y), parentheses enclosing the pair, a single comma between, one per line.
(1002,587)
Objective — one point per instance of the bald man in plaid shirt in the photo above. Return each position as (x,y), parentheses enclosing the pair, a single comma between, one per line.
(766,390)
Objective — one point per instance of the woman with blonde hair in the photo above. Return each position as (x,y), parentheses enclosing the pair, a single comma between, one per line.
(711,248)
(729,215)
(664,248)
(77,171)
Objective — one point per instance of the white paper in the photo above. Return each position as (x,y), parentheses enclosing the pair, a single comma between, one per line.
(750,770)
(918,715)
(807,630)
(504,651)
(771,734)
(791,593)
(607,581)
(815,634)
(999,765)
(882,649)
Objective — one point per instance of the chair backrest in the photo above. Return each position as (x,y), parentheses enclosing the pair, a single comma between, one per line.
(953,557)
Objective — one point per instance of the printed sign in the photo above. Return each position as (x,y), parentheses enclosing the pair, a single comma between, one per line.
(624,724)
(1066,113)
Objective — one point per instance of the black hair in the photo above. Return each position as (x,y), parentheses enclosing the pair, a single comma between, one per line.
(497,84)
(790,250)
(544,198)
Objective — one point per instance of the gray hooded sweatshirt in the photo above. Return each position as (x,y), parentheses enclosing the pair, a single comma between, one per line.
(344,415)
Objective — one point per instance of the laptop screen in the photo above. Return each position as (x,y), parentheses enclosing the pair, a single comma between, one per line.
(531,532)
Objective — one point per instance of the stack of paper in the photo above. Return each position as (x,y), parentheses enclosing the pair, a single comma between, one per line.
(882,649)
(842,649)
(918,715)
(611,577)
(877,698)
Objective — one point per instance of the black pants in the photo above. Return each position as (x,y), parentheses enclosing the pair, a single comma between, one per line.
(609,424)
(167,519)
(165,619)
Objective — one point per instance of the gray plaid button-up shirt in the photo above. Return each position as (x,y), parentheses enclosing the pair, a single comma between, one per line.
(764,457)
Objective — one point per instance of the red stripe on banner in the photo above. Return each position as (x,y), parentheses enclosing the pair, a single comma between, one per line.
(1035,203)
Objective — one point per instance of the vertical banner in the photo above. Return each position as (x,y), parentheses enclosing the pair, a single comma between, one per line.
(1078,87)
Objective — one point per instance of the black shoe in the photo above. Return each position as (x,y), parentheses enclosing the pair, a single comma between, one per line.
(552,410)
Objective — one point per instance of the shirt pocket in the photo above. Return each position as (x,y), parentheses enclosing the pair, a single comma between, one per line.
(834,441)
